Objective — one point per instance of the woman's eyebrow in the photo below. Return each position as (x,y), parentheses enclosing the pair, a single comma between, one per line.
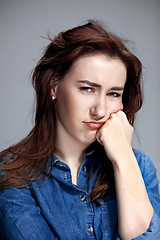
(117,88)
(92,84)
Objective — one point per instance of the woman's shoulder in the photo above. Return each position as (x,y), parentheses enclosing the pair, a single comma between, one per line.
(145,162)
(141,156)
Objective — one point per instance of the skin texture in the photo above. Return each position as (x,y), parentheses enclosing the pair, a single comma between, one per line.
(91,92)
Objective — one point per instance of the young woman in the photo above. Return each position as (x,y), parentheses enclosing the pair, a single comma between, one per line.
(76,176)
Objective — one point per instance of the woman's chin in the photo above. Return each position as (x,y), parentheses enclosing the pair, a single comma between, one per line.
(89,139)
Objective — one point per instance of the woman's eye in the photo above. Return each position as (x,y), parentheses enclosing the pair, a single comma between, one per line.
(114,94)
(86,89)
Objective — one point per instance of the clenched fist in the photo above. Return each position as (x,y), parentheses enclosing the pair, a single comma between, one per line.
(116,136)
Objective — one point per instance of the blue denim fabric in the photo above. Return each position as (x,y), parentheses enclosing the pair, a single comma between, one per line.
(58,209)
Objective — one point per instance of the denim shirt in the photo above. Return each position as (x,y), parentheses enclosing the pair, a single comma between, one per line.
(58,209)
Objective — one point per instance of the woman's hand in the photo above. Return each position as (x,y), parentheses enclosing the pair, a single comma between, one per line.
(116,135)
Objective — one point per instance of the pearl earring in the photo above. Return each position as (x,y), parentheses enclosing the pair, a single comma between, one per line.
(53,98)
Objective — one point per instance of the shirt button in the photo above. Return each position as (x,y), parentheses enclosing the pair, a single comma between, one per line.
(84,169)
(89,229)
(83,198)
(65,176)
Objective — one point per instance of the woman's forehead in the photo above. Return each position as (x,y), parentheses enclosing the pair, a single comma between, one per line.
(98,69)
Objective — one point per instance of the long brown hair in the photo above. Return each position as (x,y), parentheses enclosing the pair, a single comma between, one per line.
(26,161)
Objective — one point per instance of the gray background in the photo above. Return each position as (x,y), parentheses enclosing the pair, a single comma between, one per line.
(22,22)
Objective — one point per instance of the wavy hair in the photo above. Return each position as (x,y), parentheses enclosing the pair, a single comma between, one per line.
(26,161)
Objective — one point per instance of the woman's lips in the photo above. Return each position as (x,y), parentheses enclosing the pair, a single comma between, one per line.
(94,125)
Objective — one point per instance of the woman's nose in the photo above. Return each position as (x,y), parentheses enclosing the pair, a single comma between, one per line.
(98,109)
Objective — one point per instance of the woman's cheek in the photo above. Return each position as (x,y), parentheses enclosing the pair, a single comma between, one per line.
(116,107)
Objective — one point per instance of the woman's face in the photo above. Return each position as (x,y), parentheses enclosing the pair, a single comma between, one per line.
(88,94)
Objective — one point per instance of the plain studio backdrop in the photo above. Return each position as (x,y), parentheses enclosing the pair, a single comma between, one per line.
(23,22)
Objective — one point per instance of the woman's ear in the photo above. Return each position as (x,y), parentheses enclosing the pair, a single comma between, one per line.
(53,90)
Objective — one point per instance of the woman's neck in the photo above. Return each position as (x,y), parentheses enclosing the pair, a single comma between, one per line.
(71,152)
(72,158)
